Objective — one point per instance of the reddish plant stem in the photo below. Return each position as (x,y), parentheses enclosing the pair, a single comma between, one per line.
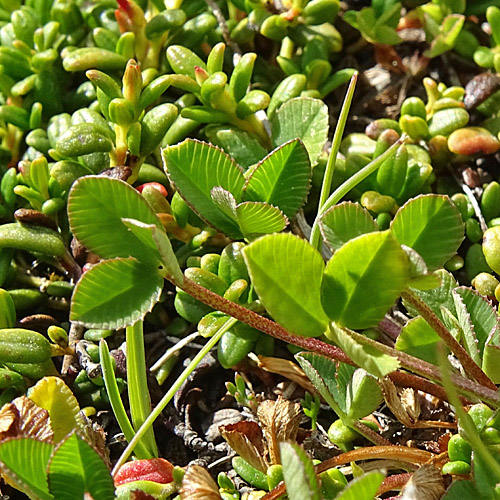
(394,482)
(401,453)
(469,365)
(465,386)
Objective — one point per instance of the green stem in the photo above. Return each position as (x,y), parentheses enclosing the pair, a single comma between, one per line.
(330,166)
(116,401)
(171,392)
(352,182)
(468,364)
(138,392)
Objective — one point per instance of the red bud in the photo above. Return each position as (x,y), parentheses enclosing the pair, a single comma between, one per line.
(157,470)
(155,185)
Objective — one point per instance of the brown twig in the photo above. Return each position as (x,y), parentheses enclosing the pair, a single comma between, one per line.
(465,386)
(469,365)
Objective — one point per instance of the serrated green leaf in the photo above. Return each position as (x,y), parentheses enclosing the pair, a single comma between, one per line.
(256,219)
(96,207)
(282,178)
(286,272)
(482,314)
(240,145)
(362,488)
(437,297)
(298,472)
(52,394)
(365,356)
(76,469)
(432,226)
(467,333)
(115,293)
(345,222)
(24,461)
(418,339)
(363,279)
(195,168)
(305,118)
(323,373)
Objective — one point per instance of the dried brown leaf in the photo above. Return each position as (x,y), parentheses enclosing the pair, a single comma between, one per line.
(95,436)
(246,439)
(288,369)
(23,418)
(280,421)
(426,483)
(197,484)
(404,412)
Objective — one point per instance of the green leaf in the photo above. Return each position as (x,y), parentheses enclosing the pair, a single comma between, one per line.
(461,489)
(156,239)
(282,178)
(76,469)
(482,314)
(323,373)
(96,207)
(345,222)
(437,297)
(467,333)
(491,362)
(303,118)
(431,225)
(365,356)
(418,339)
(354,392)
(24,461)
(195,167)
(363,279)
(420,277)
(298,472)
(286,272)
(52,394)
(240,145)
(115,293)
(362,488)
(256,219)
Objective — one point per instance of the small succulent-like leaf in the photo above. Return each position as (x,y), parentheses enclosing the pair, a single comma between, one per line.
(363,487)
(345,222)
(240,145)
(288,287)
(282,178)
(256,218)
(76,469)
(52,394)
(195,168)
(96,207)
(418,339)
(365,356)
(23,461)
(305,118)
(115,293)
(431,225)
(298,471)
(363,279)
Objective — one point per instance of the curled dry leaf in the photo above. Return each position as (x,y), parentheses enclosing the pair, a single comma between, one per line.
(288,369)
(197,484)
(280,421)
(247,440)
(406,407)
(23,418)
(425,484)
